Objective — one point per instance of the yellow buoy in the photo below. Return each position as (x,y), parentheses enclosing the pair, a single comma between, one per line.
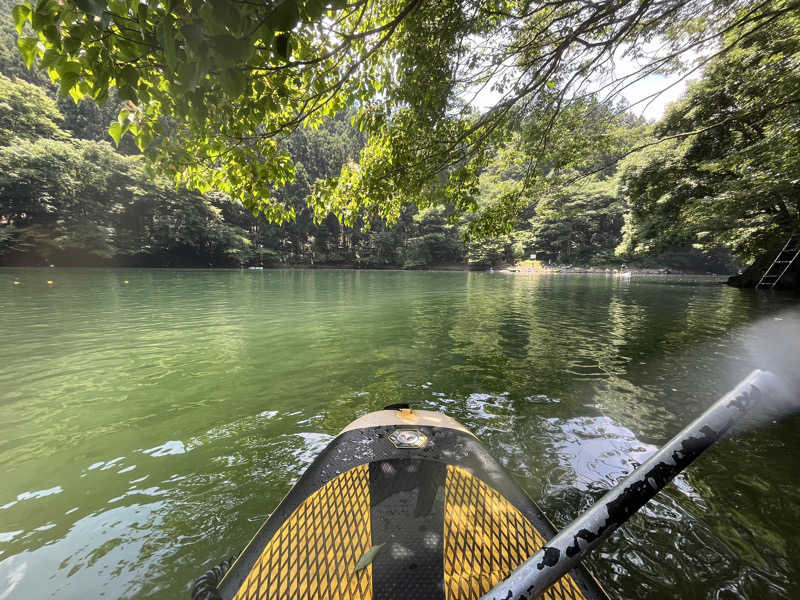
(49,282)
(126,281)
(16,283)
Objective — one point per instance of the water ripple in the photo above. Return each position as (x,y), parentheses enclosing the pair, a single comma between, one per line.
(146,429)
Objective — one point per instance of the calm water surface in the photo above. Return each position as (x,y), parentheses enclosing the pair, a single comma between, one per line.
(147,428)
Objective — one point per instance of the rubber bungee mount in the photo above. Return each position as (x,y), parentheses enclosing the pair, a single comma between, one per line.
(205,586)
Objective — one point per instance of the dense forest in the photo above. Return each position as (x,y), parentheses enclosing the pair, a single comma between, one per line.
(702,198)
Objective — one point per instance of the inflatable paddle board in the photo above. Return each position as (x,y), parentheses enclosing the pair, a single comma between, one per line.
(401,505)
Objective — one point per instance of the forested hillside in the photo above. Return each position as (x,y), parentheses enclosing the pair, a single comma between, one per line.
(70,196)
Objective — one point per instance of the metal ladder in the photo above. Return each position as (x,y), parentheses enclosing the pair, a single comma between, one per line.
(782,262)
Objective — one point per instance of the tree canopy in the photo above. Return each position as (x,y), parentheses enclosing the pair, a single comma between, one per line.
(212,88)
(735,182)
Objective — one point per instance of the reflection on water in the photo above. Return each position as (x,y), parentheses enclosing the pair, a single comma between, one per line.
(146,429)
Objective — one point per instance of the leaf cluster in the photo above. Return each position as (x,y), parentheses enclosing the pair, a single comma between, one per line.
(214,88)
(734,180)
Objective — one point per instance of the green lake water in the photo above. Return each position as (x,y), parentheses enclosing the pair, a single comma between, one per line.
(147,428)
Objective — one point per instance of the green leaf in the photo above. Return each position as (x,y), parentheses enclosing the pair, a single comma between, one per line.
(92,56)
(67,81)
(285,16)
(265,34)
(71,45)
(116,130)
(271,105)
(78,31)
(68,66)
(368,557)
(128,51)
(143,139)
(101,97)
(42,16)
(51,33)
(227,14)
(21,13)
(130,75)
(127,93)
(313,9)
(232,49)
(27,47)
(75,94)
(51,58)
(166,37)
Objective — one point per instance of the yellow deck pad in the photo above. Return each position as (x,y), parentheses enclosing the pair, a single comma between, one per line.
(485,538)
(314,553)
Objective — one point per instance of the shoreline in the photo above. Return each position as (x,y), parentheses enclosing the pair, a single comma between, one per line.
(612,272)
(436,269)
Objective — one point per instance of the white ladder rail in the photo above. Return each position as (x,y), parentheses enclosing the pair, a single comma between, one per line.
(795,252)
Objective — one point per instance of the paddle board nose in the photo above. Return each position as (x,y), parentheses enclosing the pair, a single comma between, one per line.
(401,505)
